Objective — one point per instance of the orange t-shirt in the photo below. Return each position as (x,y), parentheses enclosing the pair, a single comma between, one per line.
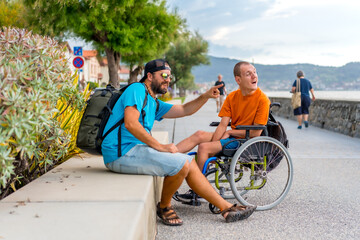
(246,110)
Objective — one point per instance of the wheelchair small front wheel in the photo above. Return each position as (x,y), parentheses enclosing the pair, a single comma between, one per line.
(267,173)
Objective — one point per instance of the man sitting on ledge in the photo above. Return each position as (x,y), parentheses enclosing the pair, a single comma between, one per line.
(142,154)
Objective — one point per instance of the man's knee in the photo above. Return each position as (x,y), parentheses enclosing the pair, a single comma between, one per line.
(203,147)
(202,136)
(185,169)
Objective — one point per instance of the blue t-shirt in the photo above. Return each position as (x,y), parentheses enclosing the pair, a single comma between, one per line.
(134,95)
(305,86)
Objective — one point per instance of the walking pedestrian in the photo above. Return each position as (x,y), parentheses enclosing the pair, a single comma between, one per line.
(302,112)
(220,99)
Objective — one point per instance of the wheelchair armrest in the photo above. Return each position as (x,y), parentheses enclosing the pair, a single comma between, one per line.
(247,128)
(250,127)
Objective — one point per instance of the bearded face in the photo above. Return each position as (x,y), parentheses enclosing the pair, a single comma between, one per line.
(161,80)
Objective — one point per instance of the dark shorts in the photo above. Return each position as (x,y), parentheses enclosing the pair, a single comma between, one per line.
(233,145)
(305,104)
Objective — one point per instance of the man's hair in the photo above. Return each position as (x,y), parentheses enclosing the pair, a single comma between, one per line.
(300,74)
(237,67)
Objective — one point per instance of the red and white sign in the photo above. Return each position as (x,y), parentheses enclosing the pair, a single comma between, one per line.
(78,62)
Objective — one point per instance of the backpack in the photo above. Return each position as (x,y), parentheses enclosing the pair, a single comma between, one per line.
(97,112)
(275,130)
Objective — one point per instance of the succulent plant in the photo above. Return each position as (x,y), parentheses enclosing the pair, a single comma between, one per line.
(35,79)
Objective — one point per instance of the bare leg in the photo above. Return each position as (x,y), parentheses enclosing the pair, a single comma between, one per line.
(198,182)
(171,185)
(189,143)
(299,119)
(306,117)
(207,149)
(221,101)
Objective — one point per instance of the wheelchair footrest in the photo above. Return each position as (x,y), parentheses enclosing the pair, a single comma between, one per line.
(189,198)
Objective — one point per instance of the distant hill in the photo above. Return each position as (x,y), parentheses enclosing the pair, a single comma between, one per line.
(280,77)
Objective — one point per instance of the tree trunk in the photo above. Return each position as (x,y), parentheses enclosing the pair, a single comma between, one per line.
(182,92)
(134,73)
(113,59)
(172,83)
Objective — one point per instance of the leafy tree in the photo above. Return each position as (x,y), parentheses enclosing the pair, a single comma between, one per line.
(188,51)
(156,29)
(118,28)
(12,13)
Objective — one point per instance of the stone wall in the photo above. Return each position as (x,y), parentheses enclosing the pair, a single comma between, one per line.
(333,115)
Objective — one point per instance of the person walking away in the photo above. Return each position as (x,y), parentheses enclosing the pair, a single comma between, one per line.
(302,112)
(222,90)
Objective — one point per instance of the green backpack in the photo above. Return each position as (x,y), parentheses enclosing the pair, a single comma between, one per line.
(97,112)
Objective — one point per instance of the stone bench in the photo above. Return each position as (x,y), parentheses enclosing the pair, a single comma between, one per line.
(81,199)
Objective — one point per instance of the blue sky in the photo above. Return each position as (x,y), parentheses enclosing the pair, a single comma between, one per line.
(321,32)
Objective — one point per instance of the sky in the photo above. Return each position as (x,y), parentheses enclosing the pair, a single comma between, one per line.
(320,32)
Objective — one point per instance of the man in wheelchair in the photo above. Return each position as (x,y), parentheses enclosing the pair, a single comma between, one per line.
(246,106)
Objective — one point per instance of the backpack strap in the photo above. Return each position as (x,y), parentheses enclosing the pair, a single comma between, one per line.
(143,113)
(157,105)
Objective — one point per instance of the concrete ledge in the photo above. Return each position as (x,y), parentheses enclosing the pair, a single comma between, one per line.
(81,199)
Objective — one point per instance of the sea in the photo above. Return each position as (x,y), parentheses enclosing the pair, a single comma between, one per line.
(328,95)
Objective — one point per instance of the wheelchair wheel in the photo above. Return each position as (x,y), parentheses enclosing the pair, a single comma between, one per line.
(267,173)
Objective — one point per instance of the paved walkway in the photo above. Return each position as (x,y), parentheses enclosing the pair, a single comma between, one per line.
(323,202)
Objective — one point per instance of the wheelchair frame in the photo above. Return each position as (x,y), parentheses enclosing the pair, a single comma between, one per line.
(261,173)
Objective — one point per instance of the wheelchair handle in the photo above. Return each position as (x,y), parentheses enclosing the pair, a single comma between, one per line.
(276,104)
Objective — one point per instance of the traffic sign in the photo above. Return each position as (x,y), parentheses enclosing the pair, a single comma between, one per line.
(78,51)
(78,62)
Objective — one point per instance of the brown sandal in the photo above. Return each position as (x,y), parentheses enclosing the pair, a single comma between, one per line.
(236,213)
(167,214)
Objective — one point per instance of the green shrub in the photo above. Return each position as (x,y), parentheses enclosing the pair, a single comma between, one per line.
(34,77)
(93,85)
(165,97)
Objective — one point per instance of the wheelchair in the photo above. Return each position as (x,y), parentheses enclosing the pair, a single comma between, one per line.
(259,172)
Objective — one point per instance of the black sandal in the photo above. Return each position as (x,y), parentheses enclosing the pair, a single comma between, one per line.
(167,214)
(236,213)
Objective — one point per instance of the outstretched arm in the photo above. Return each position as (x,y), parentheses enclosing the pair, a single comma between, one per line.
(193,106)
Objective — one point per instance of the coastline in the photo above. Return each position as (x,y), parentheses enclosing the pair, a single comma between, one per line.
(325,95)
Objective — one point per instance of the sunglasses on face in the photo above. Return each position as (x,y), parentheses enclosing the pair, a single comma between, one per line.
(165,76)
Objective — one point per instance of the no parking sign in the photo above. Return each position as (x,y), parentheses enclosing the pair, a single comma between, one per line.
(78,62)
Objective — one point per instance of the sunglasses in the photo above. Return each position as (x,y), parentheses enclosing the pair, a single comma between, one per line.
(165,76)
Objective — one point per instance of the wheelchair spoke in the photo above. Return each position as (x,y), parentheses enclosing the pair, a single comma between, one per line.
(267,174)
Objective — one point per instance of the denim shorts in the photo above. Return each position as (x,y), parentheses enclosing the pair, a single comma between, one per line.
(144,160)
(233,145)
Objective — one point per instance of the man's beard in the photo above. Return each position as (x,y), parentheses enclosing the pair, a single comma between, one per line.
(156,88)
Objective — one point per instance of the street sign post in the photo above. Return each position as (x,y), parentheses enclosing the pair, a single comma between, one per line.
(78,62)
